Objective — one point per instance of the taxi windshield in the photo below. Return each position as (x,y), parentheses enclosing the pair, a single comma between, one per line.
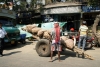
(6,22)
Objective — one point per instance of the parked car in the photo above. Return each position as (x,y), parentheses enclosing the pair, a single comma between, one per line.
(8,20)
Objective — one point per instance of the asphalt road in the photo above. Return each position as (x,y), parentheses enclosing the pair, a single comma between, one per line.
(26,56)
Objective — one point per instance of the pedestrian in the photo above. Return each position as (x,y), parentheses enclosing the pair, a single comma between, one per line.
(72,29)
(55,46)
(2,35)
(82,35)
(72,35)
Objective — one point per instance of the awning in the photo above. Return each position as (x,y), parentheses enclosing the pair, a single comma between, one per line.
(7,13)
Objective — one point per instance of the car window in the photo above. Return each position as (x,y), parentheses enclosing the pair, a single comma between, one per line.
(6,23)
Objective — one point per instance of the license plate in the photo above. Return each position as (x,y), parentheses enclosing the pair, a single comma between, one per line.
(12,42)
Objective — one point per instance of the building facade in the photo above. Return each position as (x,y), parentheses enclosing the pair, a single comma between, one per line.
(63,11)
(70,11)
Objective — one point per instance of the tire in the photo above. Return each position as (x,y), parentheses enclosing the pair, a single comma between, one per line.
(23,41)
(89,46)
(59,0)
(43,48)
(77,55)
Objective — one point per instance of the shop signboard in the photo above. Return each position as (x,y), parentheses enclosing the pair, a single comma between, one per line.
(90,9)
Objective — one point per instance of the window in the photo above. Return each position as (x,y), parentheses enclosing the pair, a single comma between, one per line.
(6,22)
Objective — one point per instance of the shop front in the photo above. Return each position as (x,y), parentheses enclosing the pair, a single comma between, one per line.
(69,14)
(89,14)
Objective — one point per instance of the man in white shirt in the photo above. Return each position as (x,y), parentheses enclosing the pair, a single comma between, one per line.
(2,35)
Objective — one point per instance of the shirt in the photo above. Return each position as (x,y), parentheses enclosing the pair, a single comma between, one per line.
(83,30)
(54,36)
(2,33)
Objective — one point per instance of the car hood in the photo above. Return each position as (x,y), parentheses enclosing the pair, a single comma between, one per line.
(11,29)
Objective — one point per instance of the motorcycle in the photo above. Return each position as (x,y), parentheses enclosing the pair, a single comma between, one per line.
(89,41)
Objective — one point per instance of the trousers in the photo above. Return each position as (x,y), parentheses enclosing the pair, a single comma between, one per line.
(82,40)
(1,45)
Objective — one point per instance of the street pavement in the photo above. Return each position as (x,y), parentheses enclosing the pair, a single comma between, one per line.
(24,55)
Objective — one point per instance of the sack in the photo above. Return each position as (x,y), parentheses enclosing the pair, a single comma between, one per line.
(40,33)
(69,43)
(30,27)
(35,30)
(46,35)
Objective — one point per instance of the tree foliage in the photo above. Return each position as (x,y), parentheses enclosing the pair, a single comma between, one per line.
(94,2)
(2,0)
(30,6)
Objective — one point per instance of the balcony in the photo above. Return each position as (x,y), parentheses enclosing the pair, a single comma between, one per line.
(48,2)
(62,3)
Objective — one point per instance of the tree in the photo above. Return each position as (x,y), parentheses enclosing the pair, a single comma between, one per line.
(94,2)
(30,6)
(1,0)
(96,35)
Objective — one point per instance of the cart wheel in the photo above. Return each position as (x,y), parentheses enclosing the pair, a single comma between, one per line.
(77,55)
(43,48)
(83,55)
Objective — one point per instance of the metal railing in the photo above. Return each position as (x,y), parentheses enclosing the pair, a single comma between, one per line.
(53,1)
(70,33)
(65,1)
